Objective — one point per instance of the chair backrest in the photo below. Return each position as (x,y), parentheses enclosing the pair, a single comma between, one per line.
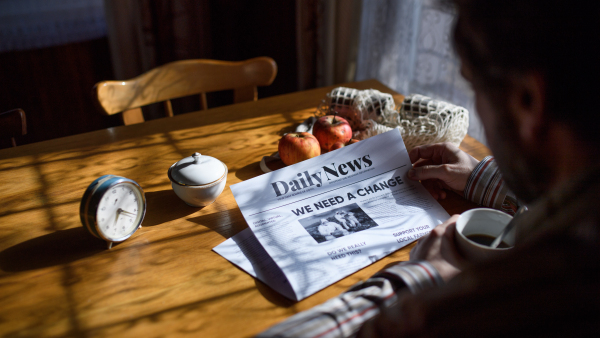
(184,78)
(13,123)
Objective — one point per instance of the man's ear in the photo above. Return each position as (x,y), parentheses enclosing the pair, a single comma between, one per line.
(527,102)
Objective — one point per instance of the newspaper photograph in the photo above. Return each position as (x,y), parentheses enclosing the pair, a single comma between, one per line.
(320,220)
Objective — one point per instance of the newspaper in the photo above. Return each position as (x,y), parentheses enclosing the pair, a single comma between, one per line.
(320,220)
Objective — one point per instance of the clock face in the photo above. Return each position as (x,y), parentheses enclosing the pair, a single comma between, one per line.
(120,211)
(112,208)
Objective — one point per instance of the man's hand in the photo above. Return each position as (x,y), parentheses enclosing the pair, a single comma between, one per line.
(441,167)
(439,249)
(407,317)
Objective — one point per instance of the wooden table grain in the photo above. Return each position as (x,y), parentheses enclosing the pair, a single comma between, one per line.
(165,281)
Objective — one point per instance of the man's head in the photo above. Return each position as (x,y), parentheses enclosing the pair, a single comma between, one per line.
(534,65)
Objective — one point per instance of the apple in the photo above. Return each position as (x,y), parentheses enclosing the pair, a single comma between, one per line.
(297,147)
(337,145)
(352,141)
(330,129)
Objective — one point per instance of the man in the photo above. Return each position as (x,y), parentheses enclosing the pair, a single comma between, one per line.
(535,68)
(352,220)
(339,216)
(331,230)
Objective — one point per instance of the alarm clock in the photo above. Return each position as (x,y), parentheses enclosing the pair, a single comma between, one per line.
(112,208)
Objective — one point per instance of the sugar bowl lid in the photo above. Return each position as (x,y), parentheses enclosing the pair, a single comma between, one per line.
(197,170)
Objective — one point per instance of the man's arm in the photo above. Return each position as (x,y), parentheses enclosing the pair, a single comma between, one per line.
(343,316)
(443,166)
(486,187)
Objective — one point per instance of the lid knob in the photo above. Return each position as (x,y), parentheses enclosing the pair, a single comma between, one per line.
(196,157)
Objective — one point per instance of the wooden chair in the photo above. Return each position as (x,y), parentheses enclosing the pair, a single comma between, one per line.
(13,123)
(184,78)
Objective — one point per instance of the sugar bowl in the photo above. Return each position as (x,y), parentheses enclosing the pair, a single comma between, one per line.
(198,179)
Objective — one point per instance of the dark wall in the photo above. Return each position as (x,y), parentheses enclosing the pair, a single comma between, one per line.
(231,30)
(248,29)
(54,85)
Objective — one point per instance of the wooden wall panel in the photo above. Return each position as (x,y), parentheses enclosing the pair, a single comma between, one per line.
(53,86)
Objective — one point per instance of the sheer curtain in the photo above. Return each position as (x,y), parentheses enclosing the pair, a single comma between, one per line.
(406,45)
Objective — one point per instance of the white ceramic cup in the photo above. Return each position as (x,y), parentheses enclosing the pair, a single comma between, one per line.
(198,179)
(200,196)
(481,221)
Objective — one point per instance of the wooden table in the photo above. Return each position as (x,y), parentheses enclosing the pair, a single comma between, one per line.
(56,280)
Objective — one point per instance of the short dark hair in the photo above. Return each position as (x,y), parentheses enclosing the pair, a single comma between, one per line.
(559,39)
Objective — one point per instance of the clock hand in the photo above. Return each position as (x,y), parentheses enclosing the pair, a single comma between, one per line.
(127,213)
(117,216)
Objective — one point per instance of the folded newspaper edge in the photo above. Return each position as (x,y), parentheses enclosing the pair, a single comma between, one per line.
(320,220)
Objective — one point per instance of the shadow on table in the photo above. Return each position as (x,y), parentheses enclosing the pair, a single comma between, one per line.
(249,171)
(225,222)
(57,248)
(164,206)
(455,204)
(273,296)
(70,245)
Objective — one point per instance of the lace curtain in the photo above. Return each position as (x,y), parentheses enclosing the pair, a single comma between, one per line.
(406,45)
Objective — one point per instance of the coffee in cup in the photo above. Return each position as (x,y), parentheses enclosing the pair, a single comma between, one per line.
(476,229)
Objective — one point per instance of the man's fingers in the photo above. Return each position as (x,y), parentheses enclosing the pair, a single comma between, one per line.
(412,251)
(426,152)
(431,151)
(449,245)
(429,172)
(421,162)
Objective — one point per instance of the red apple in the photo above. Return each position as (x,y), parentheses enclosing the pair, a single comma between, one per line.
(296,147)
(330,129)
(352,141)
(337,145)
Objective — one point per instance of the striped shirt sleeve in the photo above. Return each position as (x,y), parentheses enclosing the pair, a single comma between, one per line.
(486,187)
(343,316)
